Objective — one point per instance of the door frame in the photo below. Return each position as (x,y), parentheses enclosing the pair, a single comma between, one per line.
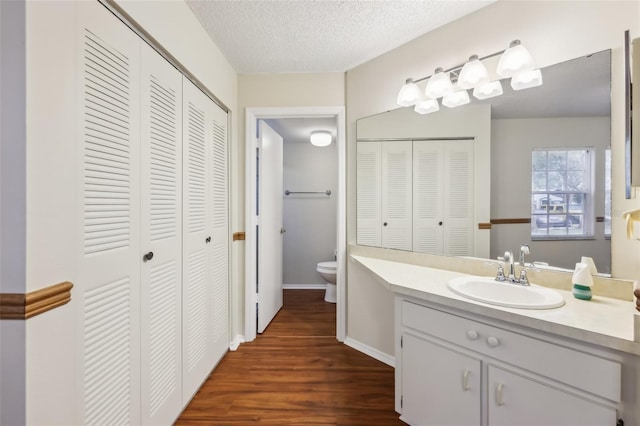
(251,189)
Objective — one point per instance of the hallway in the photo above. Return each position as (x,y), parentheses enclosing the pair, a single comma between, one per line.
(296,373)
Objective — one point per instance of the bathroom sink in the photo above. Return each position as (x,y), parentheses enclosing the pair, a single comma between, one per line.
(488,290)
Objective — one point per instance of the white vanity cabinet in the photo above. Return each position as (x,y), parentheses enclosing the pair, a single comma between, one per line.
(455,369)
(441,388)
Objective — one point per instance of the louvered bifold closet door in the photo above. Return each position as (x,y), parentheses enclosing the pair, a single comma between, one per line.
(197,236)
(428,219)
(397,195)
(161,309)
(369,195)
(220,237)
(459,205)
(107,289)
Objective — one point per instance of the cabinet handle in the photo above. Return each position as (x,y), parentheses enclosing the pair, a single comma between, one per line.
(465,380)
(147,256)
(493,341)
(499,389)
(472,334)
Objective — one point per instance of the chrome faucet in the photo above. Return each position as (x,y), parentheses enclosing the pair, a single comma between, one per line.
(524,250)
(508,260)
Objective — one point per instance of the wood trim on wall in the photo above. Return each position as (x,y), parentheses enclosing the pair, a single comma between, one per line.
(23,306)
(484,226)
(510,221)
(238,236)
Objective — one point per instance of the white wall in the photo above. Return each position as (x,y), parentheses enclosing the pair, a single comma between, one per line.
(47,343)
(310,220)
(553,32)
(512,143)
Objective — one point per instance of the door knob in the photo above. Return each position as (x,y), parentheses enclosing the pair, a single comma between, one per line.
(147,256)
(207,240)
(440,223)
(384,224)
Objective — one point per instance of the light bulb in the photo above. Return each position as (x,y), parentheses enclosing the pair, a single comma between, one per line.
(456,99)
(514,60)
(488,90)
(427,106)
(409,94)
(526,80)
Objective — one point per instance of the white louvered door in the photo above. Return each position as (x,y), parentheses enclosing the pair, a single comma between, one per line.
(109,213)
(428,230)
(443,197)
(197,235)
(458,206)
(369,201)
(397,195)
(161,308)
(219,252)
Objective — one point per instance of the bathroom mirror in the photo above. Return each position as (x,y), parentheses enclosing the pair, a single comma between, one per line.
(571,110)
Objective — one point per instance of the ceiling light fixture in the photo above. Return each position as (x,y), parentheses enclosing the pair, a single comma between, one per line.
(516,63)
(321,138)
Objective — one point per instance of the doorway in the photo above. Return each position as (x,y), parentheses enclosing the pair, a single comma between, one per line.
(252,250)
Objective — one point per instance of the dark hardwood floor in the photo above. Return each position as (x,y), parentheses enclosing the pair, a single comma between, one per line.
(296,373)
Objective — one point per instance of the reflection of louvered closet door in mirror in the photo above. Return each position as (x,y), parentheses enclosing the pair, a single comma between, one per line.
(396,195)
(108,291)
(443,197)
(161,309)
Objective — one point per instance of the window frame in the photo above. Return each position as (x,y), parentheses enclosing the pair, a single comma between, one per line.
(588,218)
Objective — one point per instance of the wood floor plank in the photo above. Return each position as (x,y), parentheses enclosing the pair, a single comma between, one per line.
(296,373)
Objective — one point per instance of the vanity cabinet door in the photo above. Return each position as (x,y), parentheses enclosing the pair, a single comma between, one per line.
(517,400)
(440,386)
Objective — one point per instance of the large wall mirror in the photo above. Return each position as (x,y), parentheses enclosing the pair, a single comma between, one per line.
(528,167)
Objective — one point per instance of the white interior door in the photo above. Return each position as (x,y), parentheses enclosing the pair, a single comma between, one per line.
(270,164)
(458,208)
(197,131)
(161,233)
(428,193)
(396,195)
(369,201)
(109,257)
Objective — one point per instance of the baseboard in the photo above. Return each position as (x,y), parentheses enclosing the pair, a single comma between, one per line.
(233,346)
(304,286)
(373,353)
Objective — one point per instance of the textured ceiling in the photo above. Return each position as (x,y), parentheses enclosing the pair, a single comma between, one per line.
(294,36)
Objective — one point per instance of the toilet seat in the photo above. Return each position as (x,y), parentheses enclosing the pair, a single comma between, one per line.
(327,267)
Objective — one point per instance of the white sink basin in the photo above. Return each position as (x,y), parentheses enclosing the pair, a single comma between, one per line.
(488,290)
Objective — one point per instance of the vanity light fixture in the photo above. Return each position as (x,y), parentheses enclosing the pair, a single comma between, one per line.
(516,63)
(515,60)
(456,99)
(526,80)
(439,84)
(409,94)
(321,138)
(427,106)
(473,74)
(489,90)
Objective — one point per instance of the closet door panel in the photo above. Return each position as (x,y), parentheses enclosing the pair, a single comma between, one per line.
(369,201)
(427,197)
(397,195)
(197,204)
(220,237)
(161,309)
(458,207)
(107,291)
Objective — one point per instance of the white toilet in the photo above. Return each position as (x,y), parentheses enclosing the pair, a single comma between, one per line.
(328,272)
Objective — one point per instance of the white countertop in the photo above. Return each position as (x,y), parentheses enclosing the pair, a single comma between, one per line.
(601,321)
